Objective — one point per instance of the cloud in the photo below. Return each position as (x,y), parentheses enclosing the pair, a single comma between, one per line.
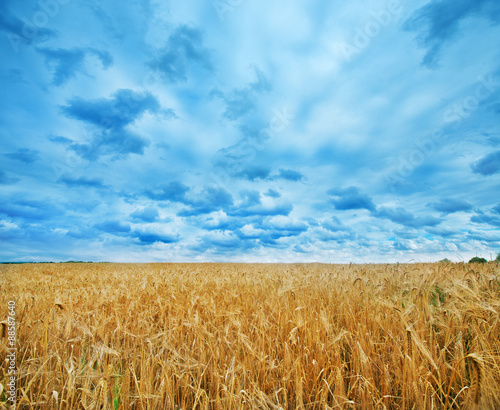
(66,63)
(289,175)
(250,198)
(280,227)
(254,173)
(149,238)
(350,198)
(493,220)
(487,165)
(403,217)
(438,22)
(174,191)
(184,50)
(5,179)
(272,193)
(251,205)
(219,221)
(241,102)
(148,214)
(210,199)
(28,156)
(331,230)
(60,140)
(333,225)
(485,237)
(443,232)
(113,227)
(81,182)
(496,209)
(222,243)
(449,206)
(30,210)
(23,31)
(110,117)
(121,110)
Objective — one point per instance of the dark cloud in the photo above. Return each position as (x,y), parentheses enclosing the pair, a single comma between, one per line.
(333,225)
(16,75)
(338,237)
(243,101)
(6,179)
(22,31)
(350,198)
(238,104)
(403,217)
(209,200)
(183,51)
(173,191)
(250,198)
(407,234)
(438,22)
(272,193)
(402,245)
(30,210)
(60,140)
(493,220)
(28,156)
(449,206)
(82,182)
(485,237)
(289,175)
(121,110)
(443,232)
(331,230)
(275,230)
(148,214)
(280,208)
(113,227)
(110,117)
(251,205)
(220,224)
(222,245)
(253,173)
(66,63)
(487,165)
(149,238)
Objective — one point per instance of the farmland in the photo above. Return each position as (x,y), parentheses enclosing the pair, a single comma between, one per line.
(276,336)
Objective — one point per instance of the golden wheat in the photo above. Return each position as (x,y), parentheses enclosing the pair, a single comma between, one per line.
(257,336)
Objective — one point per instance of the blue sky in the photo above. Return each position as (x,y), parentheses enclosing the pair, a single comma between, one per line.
(252,131)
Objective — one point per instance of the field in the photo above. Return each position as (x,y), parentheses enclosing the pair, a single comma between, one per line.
(260,336)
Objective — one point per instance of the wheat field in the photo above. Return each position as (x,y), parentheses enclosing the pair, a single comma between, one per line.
(254,336)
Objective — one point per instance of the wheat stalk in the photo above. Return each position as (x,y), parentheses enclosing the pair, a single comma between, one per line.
(477,376)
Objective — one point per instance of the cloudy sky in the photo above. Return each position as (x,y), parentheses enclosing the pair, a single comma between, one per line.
(249,130)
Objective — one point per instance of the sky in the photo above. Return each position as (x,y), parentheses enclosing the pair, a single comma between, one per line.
(249,131)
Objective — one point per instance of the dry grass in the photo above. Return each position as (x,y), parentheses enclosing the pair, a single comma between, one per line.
(223,336)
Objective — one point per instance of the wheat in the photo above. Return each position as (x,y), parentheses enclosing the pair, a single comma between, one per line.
(409,344)
(150,336)
(477,376)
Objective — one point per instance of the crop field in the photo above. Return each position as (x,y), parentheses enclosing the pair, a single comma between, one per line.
(252,336)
